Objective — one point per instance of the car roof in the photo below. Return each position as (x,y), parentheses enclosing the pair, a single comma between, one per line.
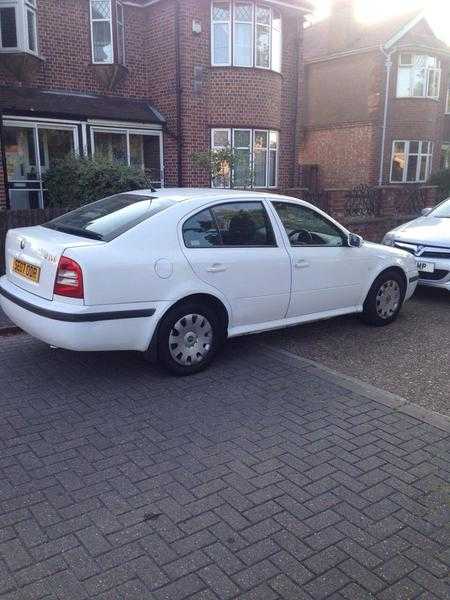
(198,196)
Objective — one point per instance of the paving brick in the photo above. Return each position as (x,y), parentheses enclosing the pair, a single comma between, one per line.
(256,574)
(218,582)
(261,494)
(15,555)
(328,583)
(325,560)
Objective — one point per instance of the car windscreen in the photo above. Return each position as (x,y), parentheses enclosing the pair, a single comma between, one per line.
(110,217)
(442,210)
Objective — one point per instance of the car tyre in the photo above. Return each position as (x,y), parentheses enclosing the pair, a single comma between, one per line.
(190,335)
(384,300)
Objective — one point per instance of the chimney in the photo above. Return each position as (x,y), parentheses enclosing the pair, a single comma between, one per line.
(341,23)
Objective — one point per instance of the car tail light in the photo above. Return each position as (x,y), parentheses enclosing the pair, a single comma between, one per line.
(69,279)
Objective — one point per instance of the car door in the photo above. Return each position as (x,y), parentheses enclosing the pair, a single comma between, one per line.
(327,274)
(233,247)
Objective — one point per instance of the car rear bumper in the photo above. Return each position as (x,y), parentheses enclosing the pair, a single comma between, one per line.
(79,327)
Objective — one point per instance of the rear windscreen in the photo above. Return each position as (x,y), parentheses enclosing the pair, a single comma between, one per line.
(110,217)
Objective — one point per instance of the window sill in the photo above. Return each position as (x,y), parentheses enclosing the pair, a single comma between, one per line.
(23,64)
(258,69)
(109,75)
(417,98)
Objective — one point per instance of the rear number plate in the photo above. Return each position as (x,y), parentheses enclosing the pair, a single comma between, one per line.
(26,270)
(425,267)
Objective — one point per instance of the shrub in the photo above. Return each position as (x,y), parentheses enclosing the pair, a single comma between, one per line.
(73,181)
(442,180)
(226,167)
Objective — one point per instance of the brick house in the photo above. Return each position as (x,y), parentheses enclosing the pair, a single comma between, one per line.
(148,82)
(377,105)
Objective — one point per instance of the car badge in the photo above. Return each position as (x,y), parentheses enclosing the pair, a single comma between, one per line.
(419,249)
(22,244)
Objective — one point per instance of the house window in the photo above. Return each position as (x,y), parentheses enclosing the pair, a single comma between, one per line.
(18,30)
(445,162)
(245,34)
(135,147)
(447,104)
(411,161)
(419,76)
(30,149)
(255,157)
(101,29)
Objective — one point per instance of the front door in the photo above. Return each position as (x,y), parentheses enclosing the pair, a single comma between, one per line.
(327,274)
(232,247)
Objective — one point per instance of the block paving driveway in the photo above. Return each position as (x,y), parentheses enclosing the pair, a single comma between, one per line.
(259,479)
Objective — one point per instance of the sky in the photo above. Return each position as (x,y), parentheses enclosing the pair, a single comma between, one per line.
(436,11)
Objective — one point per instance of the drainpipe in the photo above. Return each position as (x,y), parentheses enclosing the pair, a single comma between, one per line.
(388,65)
(178,93)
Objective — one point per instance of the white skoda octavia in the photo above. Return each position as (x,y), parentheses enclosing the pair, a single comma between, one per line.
(173,272)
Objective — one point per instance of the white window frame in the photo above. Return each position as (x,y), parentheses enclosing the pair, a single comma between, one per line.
(231,36)
(419,155)
(447,101)
(252,29)
(446,152)
(36,125)
(21,8)
(104,20)
(231,134)
(120,23)
(411,67)
(127,132)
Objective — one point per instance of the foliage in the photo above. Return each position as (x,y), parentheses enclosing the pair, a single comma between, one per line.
(226,167)
(442,180)
(73,181)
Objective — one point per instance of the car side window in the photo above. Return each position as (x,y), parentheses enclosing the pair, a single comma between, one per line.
(306,227)
(231,224)
(200,231)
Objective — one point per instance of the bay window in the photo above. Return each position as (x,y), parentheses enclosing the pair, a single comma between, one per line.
(411,161)
(255,157)
(419,76)
(18,30)
(245,34)
(108,41)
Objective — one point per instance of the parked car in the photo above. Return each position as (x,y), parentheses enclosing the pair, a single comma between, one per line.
(428,240)
(173,272)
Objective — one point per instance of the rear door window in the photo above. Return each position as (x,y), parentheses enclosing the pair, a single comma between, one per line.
(110,217)
(232,224)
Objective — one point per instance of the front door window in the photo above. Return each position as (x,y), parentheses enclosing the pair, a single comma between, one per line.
(29,151)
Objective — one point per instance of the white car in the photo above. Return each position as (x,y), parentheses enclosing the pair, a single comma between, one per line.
(173,272)
(428,240)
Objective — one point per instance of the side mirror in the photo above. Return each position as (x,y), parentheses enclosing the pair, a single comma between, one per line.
(354,240)
(426,211)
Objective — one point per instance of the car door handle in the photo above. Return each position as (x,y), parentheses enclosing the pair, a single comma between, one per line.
(216,268)
(301,264)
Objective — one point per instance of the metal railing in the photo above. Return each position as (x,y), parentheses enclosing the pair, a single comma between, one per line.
(362,201)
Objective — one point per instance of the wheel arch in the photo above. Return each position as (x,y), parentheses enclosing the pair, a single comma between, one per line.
(391,268)
(202,297)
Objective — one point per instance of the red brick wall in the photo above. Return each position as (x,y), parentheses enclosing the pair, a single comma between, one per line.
(236,97)
(415,118)
(345,105)
(345,155)
(229,97)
